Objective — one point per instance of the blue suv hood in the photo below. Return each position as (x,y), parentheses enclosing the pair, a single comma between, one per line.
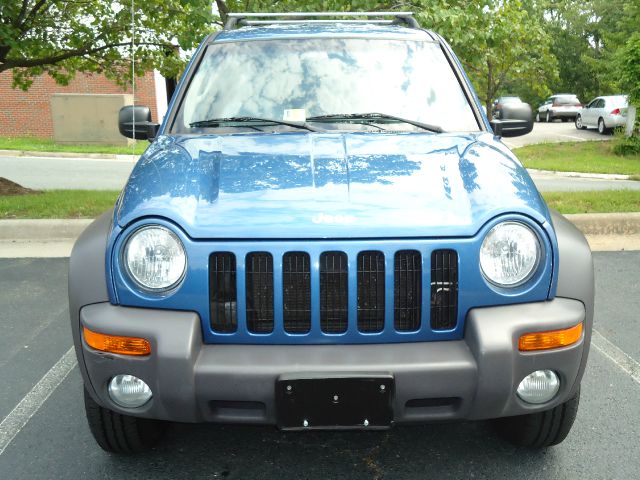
(321,185)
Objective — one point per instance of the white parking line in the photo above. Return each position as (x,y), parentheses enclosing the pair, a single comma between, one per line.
(582,139)
(616,355)
(31,403)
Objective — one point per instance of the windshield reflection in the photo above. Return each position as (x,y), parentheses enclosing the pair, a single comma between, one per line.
(323,76)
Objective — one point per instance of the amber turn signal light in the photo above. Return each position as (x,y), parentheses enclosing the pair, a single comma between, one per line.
(116,344)
(550,339)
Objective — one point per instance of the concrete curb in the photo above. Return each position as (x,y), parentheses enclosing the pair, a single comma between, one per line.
(56,229)
(35,230)
(74,155)
(598,176)
(607,223)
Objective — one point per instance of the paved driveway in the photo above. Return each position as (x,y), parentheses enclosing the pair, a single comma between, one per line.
(66,173)
(55,442)
(554,132)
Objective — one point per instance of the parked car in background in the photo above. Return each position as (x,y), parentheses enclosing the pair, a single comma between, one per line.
(564,106)
(604,113)
(496,111)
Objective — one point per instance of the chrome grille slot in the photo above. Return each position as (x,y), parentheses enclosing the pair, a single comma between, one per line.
(222,292)
(296,292)
(259,292)
(407,290)
(371,291)
(444,289)
(333,292)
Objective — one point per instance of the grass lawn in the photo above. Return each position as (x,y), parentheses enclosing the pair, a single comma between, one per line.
(57,204)
(48,145)
(594,202)
(91,203)
(588,157)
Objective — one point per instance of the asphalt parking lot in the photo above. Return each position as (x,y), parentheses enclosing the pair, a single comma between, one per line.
(43,434)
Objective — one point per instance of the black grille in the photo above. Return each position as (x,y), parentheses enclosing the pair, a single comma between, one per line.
(333,292)
(407,290)
(444,289)
(370,291)
(259,288)
(296,291)
(222,292)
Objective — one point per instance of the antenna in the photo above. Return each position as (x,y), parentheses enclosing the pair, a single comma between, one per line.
(133,73)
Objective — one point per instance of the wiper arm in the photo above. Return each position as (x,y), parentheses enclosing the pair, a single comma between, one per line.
(219,122)
(337,117)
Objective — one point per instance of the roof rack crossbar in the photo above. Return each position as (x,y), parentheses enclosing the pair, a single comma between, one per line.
(291,22)
(235,19)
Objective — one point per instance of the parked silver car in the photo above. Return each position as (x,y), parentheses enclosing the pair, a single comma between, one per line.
(562,105)
(604,113)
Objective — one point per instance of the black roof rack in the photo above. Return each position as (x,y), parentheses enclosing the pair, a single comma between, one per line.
(235,20)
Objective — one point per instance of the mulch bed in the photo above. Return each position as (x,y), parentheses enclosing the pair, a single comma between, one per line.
(9,188)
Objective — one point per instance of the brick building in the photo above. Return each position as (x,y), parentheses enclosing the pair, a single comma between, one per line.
(29,113)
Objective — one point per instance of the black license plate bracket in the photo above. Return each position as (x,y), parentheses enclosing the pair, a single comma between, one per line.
(335,402)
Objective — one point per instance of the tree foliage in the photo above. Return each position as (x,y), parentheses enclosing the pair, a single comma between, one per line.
(502,44)
(64,37)
(526,47)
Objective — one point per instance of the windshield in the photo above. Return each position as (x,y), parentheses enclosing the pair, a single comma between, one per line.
(315,77)
(567,100)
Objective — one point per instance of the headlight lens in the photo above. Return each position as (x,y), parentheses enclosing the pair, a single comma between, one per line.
(509,254)
(155,258)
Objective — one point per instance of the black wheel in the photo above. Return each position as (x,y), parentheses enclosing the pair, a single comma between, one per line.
(540,430)
(579,124)
(549,118)
(119,433)
(602,130)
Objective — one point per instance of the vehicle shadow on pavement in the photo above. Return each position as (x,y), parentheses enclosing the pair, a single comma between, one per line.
(456,450)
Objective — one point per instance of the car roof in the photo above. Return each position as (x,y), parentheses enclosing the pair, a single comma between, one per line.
(322,30)
(613,96)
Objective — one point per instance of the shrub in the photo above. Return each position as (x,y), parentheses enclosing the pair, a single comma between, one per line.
(625,146)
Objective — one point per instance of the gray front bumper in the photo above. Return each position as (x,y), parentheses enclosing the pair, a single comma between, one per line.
(474,378)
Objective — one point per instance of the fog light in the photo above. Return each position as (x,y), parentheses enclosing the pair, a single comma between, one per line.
(539,386)
(129,391)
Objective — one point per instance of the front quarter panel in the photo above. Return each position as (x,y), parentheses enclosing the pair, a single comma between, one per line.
(87,278)
(575,276)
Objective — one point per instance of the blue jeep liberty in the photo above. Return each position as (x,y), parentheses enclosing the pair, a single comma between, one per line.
(326,232)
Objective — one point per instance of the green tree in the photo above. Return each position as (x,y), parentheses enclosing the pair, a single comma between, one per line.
(501,43)
(63,37)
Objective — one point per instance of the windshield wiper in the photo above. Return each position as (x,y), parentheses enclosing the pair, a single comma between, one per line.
(220,122)
(370,117)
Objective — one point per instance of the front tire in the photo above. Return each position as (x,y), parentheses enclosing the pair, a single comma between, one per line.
(538,117)
(119,433)
(579,124)
(540,430)
(549,118)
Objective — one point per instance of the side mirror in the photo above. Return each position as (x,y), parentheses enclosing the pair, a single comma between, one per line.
(137,118)
(516,120)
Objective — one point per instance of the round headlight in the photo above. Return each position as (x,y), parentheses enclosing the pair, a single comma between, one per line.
(155,258)
(509,254)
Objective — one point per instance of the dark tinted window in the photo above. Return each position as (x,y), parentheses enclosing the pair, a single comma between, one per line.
(409,79)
